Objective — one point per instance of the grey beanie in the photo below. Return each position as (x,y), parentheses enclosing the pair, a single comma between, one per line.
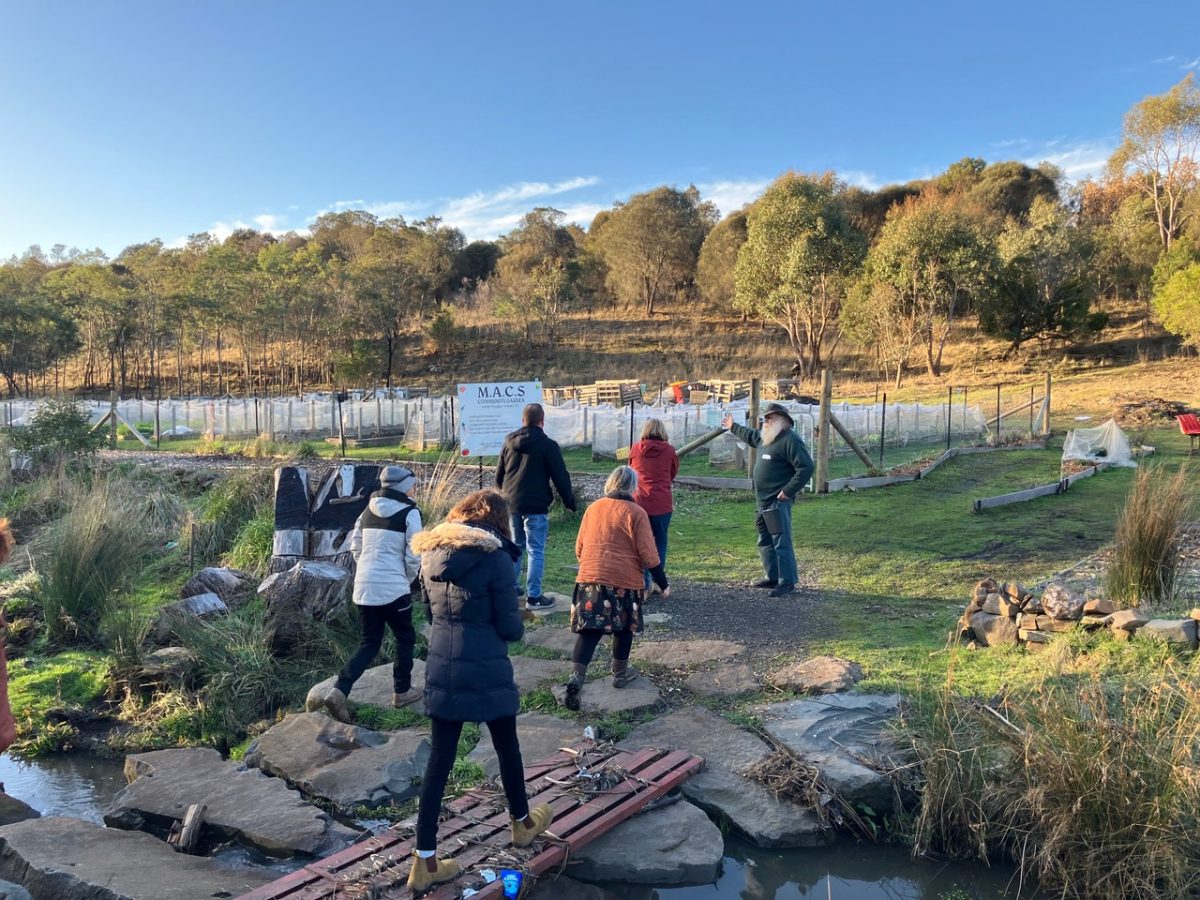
(398,478)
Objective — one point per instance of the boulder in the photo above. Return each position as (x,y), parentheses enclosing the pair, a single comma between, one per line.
(1099,607)
(560,640)
(1061,603)
(599,697)
(1128,620)
(991,605)
(69,859)
(1033,637)
(982,589)
(233,586)
(374,688)
(181,612)
(14,810)
(1014,591)
(531,673)
(993,631)
(343,765)
(818,675)
(10,891)
(169,662)
(675,844)
(684,654)
(243,804)
(1010,607)
(541,736)
(1181,632)
(1033,604)
(1027,621)
(307,592)
(726,681)
(840,734)
(720,787)
(549,887)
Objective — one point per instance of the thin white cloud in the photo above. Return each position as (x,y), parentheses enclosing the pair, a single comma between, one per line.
(1194,64)
(1077,159)
(730,196)
(868,181)
(1162,60)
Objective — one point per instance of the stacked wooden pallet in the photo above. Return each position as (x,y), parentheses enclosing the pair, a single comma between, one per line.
(618,393)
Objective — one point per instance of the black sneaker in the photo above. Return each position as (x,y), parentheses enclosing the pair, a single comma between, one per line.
(539,603)
(783,590)
(766,583)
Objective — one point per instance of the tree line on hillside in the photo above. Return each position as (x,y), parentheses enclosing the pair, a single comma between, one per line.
(891,270)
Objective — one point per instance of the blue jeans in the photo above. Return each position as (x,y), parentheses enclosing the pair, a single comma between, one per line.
(529,534)
(778,554)
(658,524)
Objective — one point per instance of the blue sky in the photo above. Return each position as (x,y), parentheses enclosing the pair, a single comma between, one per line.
(123,121)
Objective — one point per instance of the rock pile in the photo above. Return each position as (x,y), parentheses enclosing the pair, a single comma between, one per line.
(1002,613)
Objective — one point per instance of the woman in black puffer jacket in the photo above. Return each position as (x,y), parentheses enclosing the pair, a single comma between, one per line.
(471,600)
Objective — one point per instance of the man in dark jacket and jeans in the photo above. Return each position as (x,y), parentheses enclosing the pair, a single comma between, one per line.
(782,470)
(529,463)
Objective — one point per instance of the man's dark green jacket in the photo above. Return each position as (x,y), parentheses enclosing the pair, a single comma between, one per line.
(783,465)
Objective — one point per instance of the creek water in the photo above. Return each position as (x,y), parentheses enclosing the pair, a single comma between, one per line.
(81,786)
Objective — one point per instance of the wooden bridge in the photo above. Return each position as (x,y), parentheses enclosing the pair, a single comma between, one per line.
(591,790)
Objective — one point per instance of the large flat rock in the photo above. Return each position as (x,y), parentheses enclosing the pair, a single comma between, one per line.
(599,697)
(344,765)
(835,733)
(10,891)
(67,859)
(720,787)
(676,844)
(531,673)
(560,640)
(374,688)
(684,654)
(540,736)
(243,804)
(726,681)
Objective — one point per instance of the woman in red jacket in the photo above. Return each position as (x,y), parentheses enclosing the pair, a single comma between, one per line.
(654,460)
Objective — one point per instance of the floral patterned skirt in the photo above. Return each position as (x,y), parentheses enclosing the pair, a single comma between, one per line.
(598,607)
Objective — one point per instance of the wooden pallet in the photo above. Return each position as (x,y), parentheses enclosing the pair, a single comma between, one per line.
(476,829)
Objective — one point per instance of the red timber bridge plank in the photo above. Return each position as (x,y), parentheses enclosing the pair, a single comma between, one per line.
(475,829)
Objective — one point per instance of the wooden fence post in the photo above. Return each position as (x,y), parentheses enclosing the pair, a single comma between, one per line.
(112,421)
(1046,409)
(821,477)
(752,422)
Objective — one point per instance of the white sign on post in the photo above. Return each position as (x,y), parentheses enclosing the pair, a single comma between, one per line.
(488,412)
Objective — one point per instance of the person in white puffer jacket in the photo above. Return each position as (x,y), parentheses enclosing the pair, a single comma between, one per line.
(387,570)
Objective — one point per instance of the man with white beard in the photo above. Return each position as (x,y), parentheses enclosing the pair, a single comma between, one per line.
(781,472)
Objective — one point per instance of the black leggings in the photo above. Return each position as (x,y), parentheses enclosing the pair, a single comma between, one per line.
(397,616)
(587,641)
(443,750)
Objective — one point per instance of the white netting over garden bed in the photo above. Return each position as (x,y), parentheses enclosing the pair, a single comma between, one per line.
(1106,443)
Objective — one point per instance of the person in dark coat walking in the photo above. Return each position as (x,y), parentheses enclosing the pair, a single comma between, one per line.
(656,464)
(529,463)
(466,570)
(782,470)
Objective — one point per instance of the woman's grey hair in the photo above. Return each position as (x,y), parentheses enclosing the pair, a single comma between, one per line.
(654,428)
(623,480)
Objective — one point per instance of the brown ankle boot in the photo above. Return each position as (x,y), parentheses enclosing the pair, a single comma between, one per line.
(421,879)
(522,834)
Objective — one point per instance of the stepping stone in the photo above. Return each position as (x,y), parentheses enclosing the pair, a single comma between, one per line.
(10,891)
(243,804)
(676,844)
(656,618)
(562,604)
(684,654)
(232,586)
(14,810)
(600,698)
(540,735)
(70,859)
(340,764)
(374,688)
(834,733)
(560,640)
(720,787)
(530,673)
(728,680)
(818,675)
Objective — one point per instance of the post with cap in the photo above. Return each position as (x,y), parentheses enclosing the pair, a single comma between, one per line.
(821,476)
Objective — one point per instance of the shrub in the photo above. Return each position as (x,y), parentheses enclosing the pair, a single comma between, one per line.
(1145,558)
(251,550)
(224,511)
(59,429)
(442,331)
(1067,776)
(437,489)
(89,556)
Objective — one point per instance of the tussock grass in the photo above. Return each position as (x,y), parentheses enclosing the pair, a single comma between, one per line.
(437,489)
(224,511)
(251,550)
(1091,784)
(1149,533)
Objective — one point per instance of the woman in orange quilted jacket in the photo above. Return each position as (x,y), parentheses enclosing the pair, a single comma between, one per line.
(615,547)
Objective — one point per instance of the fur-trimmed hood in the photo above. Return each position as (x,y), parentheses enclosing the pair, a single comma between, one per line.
(453,548)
